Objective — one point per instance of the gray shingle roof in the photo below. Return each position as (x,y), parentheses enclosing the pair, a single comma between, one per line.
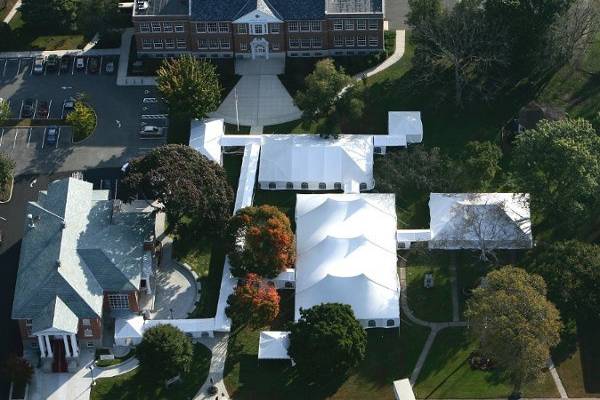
(56,315)
(219,10)
(353,6)
(76,250)
(260,5)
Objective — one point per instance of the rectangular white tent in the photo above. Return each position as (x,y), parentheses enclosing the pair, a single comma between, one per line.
(404,128)
(129,331)
(309,162)
(346,253)
(273,345)
(205,137)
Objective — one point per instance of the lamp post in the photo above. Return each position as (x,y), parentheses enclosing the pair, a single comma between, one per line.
(92,372)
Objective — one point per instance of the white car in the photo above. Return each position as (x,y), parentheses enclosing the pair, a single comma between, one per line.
(80,63)
(38,65)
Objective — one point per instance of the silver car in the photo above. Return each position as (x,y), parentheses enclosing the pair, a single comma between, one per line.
(151,132)
(38,65)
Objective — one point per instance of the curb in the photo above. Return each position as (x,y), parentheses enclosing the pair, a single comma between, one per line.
(91,133)
(12,186)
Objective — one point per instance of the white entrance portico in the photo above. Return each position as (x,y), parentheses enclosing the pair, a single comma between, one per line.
(258,21)
(68,339)
(260,48)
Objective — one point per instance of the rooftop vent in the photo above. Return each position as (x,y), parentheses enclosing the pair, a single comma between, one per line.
(32,220)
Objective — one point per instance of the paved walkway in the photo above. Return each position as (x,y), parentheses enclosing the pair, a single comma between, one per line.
(391,60)
(218,346)
(454,286)
(12,12)
(122,78)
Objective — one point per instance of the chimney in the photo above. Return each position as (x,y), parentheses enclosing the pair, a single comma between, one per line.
(31,220)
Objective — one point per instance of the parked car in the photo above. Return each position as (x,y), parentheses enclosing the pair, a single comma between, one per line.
(38,65)
(93,65)
(110,67)
(43,109)
(80,63)
(52,62)
(151,131)
(51,135)
(68,106)
(137,67)
(65,63)
(28,108)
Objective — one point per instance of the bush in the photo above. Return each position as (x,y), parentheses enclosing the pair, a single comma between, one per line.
(83,120)
(164,352)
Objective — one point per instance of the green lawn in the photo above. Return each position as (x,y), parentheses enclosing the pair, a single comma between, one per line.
(4,11)
(434,304)
(390,356)
(447,374)
(133,386)
(25,39)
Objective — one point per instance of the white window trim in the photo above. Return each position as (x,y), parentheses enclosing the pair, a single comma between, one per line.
(156,27)
(312,27)
(210,26)
(243,46)
(157,44)
(303,41)
(362,22)
(339,23)
(291,24)
(146,44)
(200,41)
(198,25)
(169,44)
(88,333)
(314,41)
(215,42)
(274,28)
(296,40)
(373,24)
(348,24)
(373,41)
(305,24)
(223,27)
(338,41)
(86,322)
(225,44)
(167,27)
(179,28)
(349,41)
(144,27)
(181,44)
(118,300)
(242,29)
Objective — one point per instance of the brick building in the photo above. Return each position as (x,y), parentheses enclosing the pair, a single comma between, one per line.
(84,259)
(258,28)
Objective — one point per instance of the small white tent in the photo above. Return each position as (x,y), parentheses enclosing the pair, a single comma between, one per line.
(273,345)
(403,390)
(205,137)
(129,331)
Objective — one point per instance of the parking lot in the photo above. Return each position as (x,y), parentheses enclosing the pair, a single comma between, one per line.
(121,113)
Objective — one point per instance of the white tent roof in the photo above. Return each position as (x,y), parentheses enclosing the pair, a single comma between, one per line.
(310,158)
(403,390)
(346,245)
(205,137)
(129,328)
(273,345)
(404,127)
(184,325)
(463,220)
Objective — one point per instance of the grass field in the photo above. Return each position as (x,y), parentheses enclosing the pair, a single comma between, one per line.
(24,39)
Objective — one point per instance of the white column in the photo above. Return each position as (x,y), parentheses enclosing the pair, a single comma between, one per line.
(74,346)
(41,345)
(48,347)
(67,351)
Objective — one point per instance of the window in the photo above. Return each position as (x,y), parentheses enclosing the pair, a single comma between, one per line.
(146,44)
(294,43)
(181,44)
(119,301)
(275,45)
(361,24)
(317,42)
(158,44)
(304,185)
(242,29)
(86,322)
(201,27)
(156,27)
(305,26)
(169,43)
(349,41)
(289,185)
(28,325)
(179,27)
(214,44)
(390,322)
(338,25)
(349,24)
(289,285)
(322,186)
(88,333)
(337,185)
(362,186)
(275,28)
(315,26)
(373,24)
(212,27)
(243,46)
(305,43)
(293,26)
(372,323)
(225,44)
(90,344)
(167,27)
(144,27)
(338,41)
(257,29)
(272,185)
(373,41)
(34,345)
(223,27)
(203,44)
(361,40)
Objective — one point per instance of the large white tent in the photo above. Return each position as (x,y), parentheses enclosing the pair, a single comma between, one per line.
(346,253)
(313,163)
(273,345)
(476,220)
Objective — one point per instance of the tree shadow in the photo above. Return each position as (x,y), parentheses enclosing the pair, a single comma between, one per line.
(589,348)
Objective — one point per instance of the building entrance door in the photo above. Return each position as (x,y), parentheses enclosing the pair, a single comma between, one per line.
(260,48)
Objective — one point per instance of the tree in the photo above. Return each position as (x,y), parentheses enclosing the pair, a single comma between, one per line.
(253,303)
(7,36)
(479,164)
(558,163)
(260,240)
(164,352)
(323,87)
(461,45)
(17,370)
(83,120)
(186,183)
(572,271)
(49,16)
(350,107)
(514,323)
(423,11)
(5,112)
(327,341)
(97,16)
(190,87)
(573,33)
(7,167)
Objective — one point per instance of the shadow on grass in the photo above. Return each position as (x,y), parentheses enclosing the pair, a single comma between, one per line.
(590,354)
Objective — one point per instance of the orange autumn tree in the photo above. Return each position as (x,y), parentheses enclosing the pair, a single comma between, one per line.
(253,303)
(260,240)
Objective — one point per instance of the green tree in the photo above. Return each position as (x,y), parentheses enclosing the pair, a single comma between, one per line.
(7,36)
(327,341)
(479,165)
(164,352)
(572,271)
(260,240)
(186,183)
(514,323)
(350,107)
(558,163)
(190,87)
(83,120)
(323,87)
(7,167)
(50,16)
(97,16)
(17,370)
(253,303)
(423,11)
(5,112)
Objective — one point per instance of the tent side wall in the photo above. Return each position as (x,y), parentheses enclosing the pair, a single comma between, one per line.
(313,186)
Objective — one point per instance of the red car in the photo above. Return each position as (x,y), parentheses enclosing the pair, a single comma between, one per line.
(42,110)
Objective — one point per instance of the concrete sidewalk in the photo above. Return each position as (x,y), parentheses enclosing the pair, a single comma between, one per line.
(12,12)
